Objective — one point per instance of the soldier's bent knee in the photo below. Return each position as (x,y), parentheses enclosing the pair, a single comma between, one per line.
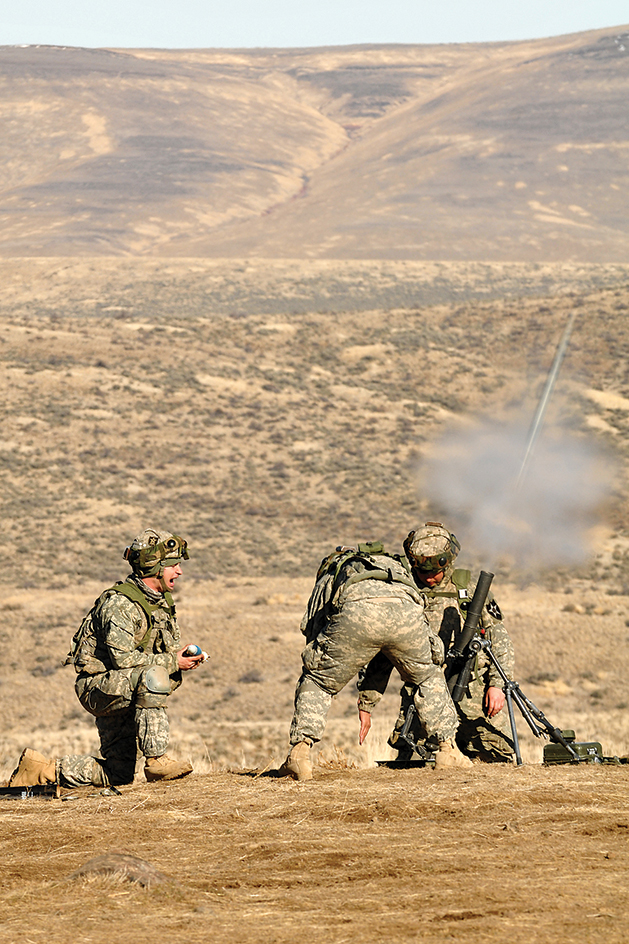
(153,688)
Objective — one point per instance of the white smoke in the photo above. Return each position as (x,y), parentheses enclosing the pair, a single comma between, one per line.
(471,476)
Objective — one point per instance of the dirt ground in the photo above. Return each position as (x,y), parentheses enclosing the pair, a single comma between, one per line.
(269,434)
(493,854)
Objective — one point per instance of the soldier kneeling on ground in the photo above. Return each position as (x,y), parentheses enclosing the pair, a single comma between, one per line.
(366,602)
(484,731)
(128,660)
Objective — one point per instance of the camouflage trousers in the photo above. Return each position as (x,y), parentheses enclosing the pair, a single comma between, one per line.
(126,731)
(360,630)
(478,736)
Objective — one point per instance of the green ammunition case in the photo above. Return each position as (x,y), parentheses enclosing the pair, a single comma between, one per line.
(589,752)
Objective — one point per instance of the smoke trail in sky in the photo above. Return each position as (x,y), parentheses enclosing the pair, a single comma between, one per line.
(471,474)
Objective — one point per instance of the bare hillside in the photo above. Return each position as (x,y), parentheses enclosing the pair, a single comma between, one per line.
(513,151)
(271,431)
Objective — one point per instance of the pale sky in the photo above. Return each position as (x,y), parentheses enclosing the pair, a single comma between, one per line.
(249,23)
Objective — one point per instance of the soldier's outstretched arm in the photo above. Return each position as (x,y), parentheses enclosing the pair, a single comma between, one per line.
(493,701)
(364,718)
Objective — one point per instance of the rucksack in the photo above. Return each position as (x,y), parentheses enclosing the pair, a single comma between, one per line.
(343,568)
(349,565)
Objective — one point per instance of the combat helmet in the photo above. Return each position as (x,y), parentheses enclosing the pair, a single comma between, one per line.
(152,550)
(431,548)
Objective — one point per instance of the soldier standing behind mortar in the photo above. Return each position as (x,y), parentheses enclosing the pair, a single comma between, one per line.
(365,602)
(128,661)
(484,731)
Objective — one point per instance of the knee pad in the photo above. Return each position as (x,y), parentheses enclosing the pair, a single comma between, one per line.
(153,687)
(157,680)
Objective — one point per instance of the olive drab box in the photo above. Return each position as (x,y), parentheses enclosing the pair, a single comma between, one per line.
(589,752)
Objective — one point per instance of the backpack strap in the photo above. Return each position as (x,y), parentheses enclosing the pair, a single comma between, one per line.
(133,592)
(87,624)
(461,579)
(373,569)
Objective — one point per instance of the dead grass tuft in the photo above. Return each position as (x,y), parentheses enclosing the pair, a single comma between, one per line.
(335,759)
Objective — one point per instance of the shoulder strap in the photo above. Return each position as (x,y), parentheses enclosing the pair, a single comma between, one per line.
(87,624)
(461,579)
(133,592)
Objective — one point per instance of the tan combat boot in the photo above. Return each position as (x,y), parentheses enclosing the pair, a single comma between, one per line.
(298,764)
(165,768)
(33,769)
(449,755)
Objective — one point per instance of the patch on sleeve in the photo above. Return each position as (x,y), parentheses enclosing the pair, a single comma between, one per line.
(494,610)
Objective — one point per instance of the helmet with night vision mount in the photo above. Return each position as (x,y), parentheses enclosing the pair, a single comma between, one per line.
(432,548)
(152,550)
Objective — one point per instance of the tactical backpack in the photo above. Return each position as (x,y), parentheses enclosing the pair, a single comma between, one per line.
(349,565)
(85,640)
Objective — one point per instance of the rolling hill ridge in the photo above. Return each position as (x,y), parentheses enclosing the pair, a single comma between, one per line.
(501,151)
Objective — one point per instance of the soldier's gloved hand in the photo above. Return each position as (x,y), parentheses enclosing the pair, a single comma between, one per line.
(365,724)
(494,701)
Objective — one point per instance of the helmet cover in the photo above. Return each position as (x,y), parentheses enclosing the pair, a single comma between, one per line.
(153,550)
(432,548)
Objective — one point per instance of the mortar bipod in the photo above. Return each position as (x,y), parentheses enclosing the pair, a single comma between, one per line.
(534,717)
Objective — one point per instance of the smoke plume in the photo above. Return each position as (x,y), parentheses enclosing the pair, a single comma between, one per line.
(471,477)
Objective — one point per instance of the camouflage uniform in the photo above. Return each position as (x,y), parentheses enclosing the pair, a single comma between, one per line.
(478,736)
(116,685)
(347,626)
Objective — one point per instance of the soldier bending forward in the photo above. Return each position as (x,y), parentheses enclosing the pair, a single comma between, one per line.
(365,602)
(484,730)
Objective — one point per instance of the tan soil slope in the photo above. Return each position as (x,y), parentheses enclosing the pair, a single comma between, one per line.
(521,154)
(489,151)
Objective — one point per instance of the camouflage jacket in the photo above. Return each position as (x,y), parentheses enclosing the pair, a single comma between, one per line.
(117,633)
(356,582)
(446,619)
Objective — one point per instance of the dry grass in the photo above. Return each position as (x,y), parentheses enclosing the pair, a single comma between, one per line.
(490,854)
(275,435)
